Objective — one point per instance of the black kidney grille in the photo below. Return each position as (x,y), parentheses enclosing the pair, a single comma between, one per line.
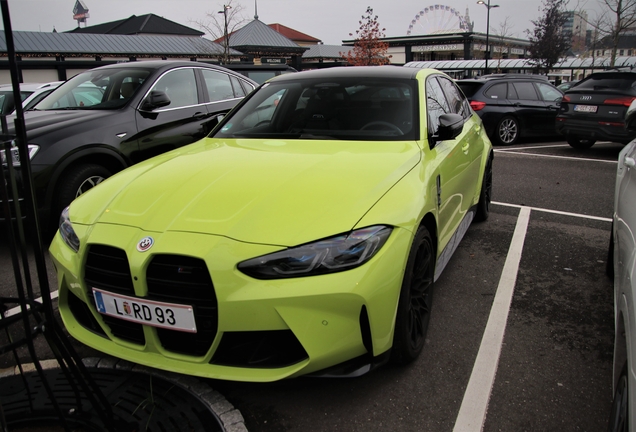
(107,268)
(185,280)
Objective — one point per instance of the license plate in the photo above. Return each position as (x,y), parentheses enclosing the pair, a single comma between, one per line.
(585,108)
(158,314)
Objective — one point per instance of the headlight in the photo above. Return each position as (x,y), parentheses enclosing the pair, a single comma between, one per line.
(15,155)
(67,232)
(334,254)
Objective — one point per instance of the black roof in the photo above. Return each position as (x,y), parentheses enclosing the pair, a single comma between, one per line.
(136,25)
(394,72)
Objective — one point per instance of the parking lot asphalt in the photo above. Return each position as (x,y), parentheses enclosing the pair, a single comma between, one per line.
(521,334)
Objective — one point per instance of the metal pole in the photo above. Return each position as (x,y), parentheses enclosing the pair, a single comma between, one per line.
(487,33)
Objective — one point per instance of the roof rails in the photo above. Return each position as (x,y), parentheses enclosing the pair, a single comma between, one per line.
(513,75)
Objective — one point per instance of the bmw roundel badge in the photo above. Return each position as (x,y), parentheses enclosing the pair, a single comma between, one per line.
(145,244)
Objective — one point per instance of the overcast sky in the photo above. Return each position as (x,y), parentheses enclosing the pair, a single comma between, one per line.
(328,20)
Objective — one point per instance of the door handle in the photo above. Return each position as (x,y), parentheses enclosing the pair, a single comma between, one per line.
(630,162)
(199,115)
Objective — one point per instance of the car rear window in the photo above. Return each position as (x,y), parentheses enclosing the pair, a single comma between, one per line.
(619,81)
(469,88)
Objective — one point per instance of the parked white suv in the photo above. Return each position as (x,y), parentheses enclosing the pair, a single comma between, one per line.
(623,269)
(29,93)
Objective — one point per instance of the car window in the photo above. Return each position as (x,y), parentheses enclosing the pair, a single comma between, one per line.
(340,108)
(497,91)
(37,98)
(620,81)
(456,99)
(549,93)
(436,104)
(469,87)
(96,89)
(218,85)
(239,91)
(525,91)
(181,87)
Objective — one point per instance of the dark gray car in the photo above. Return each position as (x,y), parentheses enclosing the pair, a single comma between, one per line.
(106,119)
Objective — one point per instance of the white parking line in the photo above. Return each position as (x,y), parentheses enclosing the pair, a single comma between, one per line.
(542,147)
(472,412)
(598,218)
(16,310)
(554,156)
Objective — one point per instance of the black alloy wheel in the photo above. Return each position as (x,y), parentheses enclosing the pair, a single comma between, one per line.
(507,132)
(75,182)
(415,302)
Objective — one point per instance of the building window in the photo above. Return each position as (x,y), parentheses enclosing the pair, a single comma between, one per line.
(622,52)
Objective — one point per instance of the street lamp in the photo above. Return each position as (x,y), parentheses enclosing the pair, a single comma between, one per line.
(488,6)
(226,50)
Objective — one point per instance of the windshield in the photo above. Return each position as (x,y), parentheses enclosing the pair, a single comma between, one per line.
(96,89)
(351,109)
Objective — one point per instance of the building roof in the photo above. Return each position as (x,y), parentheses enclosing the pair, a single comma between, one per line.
(136,25)
(256,36)
(526,64)
(83,45)
(293,35)
(325,52)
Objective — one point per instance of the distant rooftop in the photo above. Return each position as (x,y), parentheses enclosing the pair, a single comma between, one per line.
(294,35)
(149,24)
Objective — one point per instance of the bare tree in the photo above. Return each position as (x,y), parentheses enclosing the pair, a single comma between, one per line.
(621,16)
(500,36)
(222,24)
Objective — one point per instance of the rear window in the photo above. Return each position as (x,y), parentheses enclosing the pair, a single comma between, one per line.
(618,81)
(469,88)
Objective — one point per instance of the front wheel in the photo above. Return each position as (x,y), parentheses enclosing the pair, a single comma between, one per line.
(416,297)
(77,181)
(508,131)
(578,143)
(620,406)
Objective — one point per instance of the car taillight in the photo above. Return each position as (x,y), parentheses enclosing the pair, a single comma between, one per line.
(566,99)
(476,105)
(624,101)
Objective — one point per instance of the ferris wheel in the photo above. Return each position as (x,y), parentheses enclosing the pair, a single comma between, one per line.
(437,19)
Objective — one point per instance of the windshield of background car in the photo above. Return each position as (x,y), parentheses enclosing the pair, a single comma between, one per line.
(615,81)
(335,108)
(96,89)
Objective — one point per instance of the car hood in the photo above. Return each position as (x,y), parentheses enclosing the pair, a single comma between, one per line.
(41,122)
(261,191)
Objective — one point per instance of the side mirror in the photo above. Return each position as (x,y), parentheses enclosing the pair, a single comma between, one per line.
(156,99)
(450,126)
(630,117)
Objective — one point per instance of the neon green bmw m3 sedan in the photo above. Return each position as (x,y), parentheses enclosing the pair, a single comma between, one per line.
(303,236)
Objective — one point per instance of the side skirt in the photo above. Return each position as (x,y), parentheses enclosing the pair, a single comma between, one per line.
(450,248)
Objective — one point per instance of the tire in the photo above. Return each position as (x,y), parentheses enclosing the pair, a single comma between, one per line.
(578,143)
(620,407)
(416,297)
(483,206)
(507,131)
(75,182)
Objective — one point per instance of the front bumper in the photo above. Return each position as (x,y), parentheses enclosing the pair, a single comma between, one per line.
(252,330)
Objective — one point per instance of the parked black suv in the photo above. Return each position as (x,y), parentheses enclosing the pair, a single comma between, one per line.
(513,105)
(108,118)
(595,109)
